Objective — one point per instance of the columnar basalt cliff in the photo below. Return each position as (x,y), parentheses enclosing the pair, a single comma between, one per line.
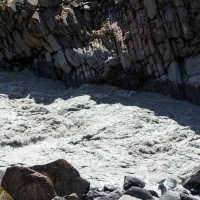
(150,45)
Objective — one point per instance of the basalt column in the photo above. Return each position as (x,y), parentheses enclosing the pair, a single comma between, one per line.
(150,45)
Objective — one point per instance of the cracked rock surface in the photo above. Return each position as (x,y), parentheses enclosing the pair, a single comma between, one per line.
(149,45)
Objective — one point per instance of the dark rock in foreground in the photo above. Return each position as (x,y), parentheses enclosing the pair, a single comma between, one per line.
(130,181)
(26,184)
(43,182)
(64,177)
(193,181)
(138,193)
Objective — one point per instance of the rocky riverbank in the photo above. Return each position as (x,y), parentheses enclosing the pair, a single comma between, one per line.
(61,181)
(150,45)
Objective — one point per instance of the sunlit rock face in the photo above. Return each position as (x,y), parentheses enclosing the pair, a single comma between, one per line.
(151,45)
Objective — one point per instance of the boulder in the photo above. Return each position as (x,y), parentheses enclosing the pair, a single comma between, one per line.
(171,195)
(130,181)
(186,197)
(64,177)
(192,181)
(111,196)
(73,196)
(153,193)
(59,198)
(49,3)
(137,193)
(23,183)
(4,195)
(109,188)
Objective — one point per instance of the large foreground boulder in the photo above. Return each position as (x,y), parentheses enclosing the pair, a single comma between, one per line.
(44,182)
(23,183)
(64,177)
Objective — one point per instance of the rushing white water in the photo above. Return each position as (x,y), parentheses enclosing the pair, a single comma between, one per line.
(104,132)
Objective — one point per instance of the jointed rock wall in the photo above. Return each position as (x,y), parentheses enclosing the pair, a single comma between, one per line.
(153,45)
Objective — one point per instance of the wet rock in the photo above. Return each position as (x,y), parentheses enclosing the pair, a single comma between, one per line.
(109,187)
(4,195)
(64,177)
(153,193)
(137,193)
(193,191)
(94,193)
(167,184)
(26,184)
(49,3)
(73,196)
(171,195)
(111,196)
(130,181)
(192,181)
(187,197)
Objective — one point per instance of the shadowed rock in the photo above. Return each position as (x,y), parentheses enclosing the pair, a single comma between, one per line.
(130,181)
(64,177)
(44,182)
(137,193)
(192,181)
(150,45)
(26,184)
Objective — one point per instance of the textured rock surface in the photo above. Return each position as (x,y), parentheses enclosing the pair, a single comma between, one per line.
(192,181)
(130,181)
(25,184)
(44,182)
(4,195)
(152,45)
(138,193)
(65,178)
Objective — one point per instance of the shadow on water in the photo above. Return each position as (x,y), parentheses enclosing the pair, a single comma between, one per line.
(46,91)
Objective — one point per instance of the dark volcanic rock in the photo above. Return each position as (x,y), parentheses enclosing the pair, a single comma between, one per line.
(153,193)
(138,193)
(26,184)
(64,177)
(142,45)
(109,187)
(111,196)
(193,181)
(130,181)
(186,197)
(49,3)
(43,182)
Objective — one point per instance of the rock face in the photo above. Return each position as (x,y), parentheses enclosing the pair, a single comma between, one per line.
(4,195)
(193,181)
(151,45)
(65,178)
(137,193)
(44,182)
(130,181)
(26,184)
